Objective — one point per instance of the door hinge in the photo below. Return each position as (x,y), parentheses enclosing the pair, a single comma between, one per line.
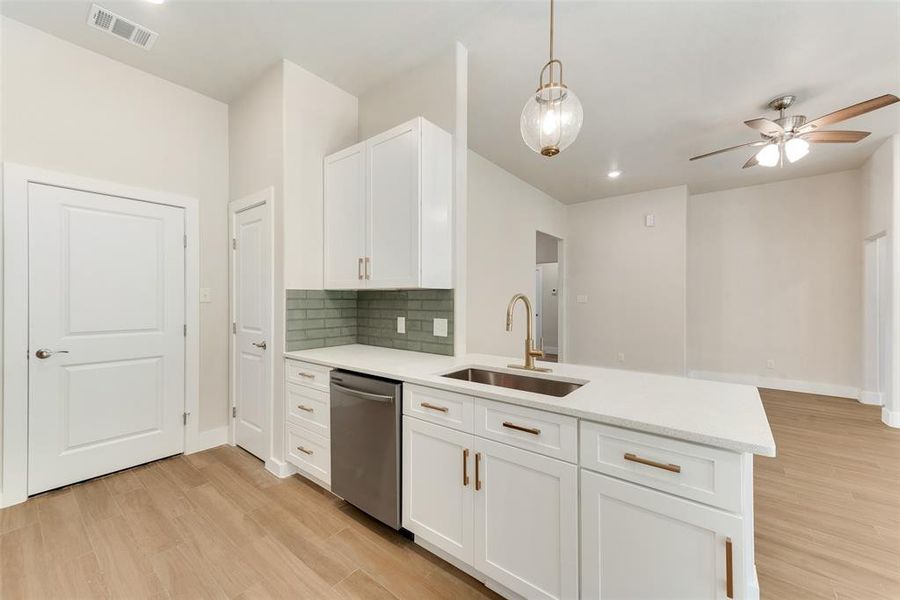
(185,241)
(233,412)
(185,330)
(184,418)
(234,243)
(233,327)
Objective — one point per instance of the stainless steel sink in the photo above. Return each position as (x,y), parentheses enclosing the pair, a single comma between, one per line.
(537,385)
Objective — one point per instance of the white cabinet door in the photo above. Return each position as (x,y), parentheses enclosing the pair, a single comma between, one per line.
(638,543)
(437,486)
(345,218)
(393,180)
(526,521)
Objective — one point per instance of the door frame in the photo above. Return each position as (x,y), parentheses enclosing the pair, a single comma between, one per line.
(264,197)
(16,179)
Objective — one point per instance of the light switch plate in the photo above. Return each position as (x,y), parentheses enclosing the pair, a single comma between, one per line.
(401,324)
(440,327)
(205,295)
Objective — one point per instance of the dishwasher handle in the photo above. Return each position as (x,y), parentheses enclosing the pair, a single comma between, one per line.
(364,395)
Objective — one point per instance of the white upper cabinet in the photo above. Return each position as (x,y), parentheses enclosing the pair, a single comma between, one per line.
(345,218)
(388,210)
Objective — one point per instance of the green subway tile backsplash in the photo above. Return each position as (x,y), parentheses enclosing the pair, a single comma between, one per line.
(320,318)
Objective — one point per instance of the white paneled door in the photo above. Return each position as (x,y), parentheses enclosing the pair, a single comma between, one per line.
(106,334)
(251,305)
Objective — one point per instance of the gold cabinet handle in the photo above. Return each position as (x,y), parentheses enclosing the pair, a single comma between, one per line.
(477,471)
(729,570)
(359,269)
(304,450)
(307,375)
(652,463)
(306,408)
(434,407)
(368,261)
(532,430)
(465,467)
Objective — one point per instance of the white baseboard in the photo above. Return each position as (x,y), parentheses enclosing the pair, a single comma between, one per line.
(875,398)
(775,383)
(279,468)
(891,418)
(209,439)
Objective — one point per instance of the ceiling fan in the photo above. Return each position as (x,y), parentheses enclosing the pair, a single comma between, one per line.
(790,136)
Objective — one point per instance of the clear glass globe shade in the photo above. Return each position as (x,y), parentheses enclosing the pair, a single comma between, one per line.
(795,149)
(769,155)
(551,120)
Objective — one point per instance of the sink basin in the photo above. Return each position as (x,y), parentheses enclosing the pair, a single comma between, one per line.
(537,385)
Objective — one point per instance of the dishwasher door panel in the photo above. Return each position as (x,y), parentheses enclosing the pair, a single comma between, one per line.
(365,444)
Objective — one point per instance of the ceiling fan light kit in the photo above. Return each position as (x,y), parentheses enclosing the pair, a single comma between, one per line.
(552,116)
(790,136)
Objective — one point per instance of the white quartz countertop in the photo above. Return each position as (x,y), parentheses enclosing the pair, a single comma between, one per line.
(723,415)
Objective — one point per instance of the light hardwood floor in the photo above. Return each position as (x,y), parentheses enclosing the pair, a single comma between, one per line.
(217,525)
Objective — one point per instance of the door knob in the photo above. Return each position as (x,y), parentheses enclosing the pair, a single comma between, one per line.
(261,344)
(44,353)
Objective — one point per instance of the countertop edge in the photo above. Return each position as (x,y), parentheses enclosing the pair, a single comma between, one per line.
(450,385)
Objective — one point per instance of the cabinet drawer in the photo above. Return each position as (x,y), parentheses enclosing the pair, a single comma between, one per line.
(309,408)
(309,452)
(546,433)
(438,406)
(306,374)
(701,473)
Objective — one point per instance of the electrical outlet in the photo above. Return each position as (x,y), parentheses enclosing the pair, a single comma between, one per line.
(581,299)
(620,357)
(205,295)
(650,220)
(770,364)
(401,324)
(440,327)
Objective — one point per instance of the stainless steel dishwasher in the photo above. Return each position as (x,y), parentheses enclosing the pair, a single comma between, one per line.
(365,444)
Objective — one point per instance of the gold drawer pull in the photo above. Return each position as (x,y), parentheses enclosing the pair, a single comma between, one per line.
(477,471)
(652,463)
(307,375)
(465,467)
(434,407)
(306,408)
(729,570)
(533,430)
(304,450)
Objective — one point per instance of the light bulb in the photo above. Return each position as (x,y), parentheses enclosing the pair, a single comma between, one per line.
(768,156)
(796,148)
(614,174)
(549,122)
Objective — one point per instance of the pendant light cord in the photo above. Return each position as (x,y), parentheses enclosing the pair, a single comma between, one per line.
(551,39)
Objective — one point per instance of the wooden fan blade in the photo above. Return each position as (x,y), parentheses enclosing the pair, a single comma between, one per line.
(850,112)
(750,163)
(834,137)
(759,143)
(765,126)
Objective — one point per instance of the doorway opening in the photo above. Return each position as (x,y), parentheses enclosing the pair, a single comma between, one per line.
(549,301)
(876,329)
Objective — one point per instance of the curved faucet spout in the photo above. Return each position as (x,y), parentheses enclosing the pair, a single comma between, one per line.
(530,351)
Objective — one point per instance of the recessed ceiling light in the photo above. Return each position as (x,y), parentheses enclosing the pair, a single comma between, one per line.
(614,174)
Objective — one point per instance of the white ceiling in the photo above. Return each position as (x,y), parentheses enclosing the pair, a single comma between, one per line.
(659,81)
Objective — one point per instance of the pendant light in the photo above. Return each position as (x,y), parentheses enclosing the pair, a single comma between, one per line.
(552,116)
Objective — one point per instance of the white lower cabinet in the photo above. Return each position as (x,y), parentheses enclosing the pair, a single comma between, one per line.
(438,486)
(526,521)
(638,543)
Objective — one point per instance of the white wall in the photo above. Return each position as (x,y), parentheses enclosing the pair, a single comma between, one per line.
(71,110)
(504,214)
(319,119)
(634,280)
(880,182)
(775,273)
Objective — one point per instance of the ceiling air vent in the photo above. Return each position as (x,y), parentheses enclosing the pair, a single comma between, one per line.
(122,28)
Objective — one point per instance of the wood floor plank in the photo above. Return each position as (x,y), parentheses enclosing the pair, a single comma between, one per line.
(95,500)
(62,527)
(360,586)
(126,567)
(18,515)
(22,564)
(183,575)
(152,529)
